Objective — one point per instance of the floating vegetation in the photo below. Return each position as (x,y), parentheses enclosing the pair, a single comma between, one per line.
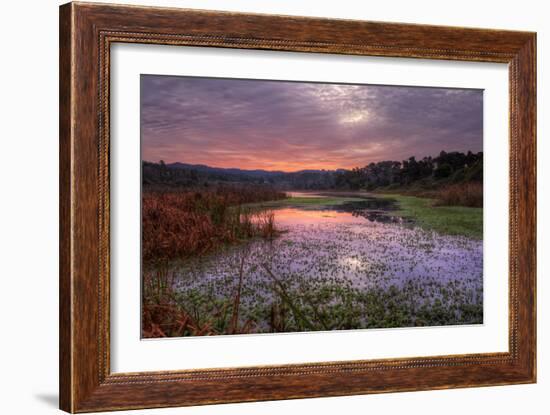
(330,268)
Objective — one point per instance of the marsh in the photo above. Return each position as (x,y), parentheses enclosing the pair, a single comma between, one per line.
(273,206)
(339,261)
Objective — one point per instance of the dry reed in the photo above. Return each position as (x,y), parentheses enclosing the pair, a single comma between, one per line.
(465,194)
(186,223)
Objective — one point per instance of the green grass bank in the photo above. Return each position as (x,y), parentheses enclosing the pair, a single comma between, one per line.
(450,220)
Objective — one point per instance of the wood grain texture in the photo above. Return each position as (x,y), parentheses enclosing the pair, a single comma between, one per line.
(86,33)
(65,247)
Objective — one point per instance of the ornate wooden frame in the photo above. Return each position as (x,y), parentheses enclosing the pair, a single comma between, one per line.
(86,33)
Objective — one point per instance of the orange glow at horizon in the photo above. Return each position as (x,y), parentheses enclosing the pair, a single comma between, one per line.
(270,165)
(285,160)
(287,167)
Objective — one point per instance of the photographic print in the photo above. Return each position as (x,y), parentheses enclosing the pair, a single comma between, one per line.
(273,206)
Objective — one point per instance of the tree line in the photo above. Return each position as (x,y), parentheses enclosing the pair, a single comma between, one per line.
(446,168)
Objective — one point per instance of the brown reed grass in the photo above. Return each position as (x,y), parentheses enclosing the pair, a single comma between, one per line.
(464,194)
(179,224)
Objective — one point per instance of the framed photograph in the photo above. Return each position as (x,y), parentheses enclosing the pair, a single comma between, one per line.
(260,207)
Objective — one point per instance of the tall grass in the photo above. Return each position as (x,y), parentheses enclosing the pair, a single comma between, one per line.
(464,194)
(469,194)
(180,224)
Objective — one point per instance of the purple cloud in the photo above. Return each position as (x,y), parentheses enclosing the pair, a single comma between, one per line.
(300,125)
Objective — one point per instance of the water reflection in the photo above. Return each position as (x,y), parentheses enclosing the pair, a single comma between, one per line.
(375,209)
(288,217)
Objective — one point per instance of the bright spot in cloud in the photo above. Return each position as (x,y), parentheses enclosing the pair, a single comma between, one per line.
(354,117)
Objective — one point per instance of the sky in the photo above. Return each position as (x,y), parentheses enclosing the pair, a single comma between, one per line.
(291,126)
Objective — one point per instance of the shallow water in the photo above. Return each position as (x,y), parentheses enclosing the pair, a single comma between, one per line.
(328,252)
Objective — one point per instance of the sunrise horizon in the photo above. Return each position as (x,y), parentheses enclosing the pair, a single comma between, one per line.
(295,169)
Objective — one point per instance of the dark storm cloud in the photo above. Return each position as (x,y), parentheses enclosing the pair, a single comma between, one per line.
(292,126)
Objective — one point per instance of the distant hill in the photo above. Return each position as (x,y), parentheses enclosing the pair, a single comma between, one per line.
(254,173)
(192,175)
